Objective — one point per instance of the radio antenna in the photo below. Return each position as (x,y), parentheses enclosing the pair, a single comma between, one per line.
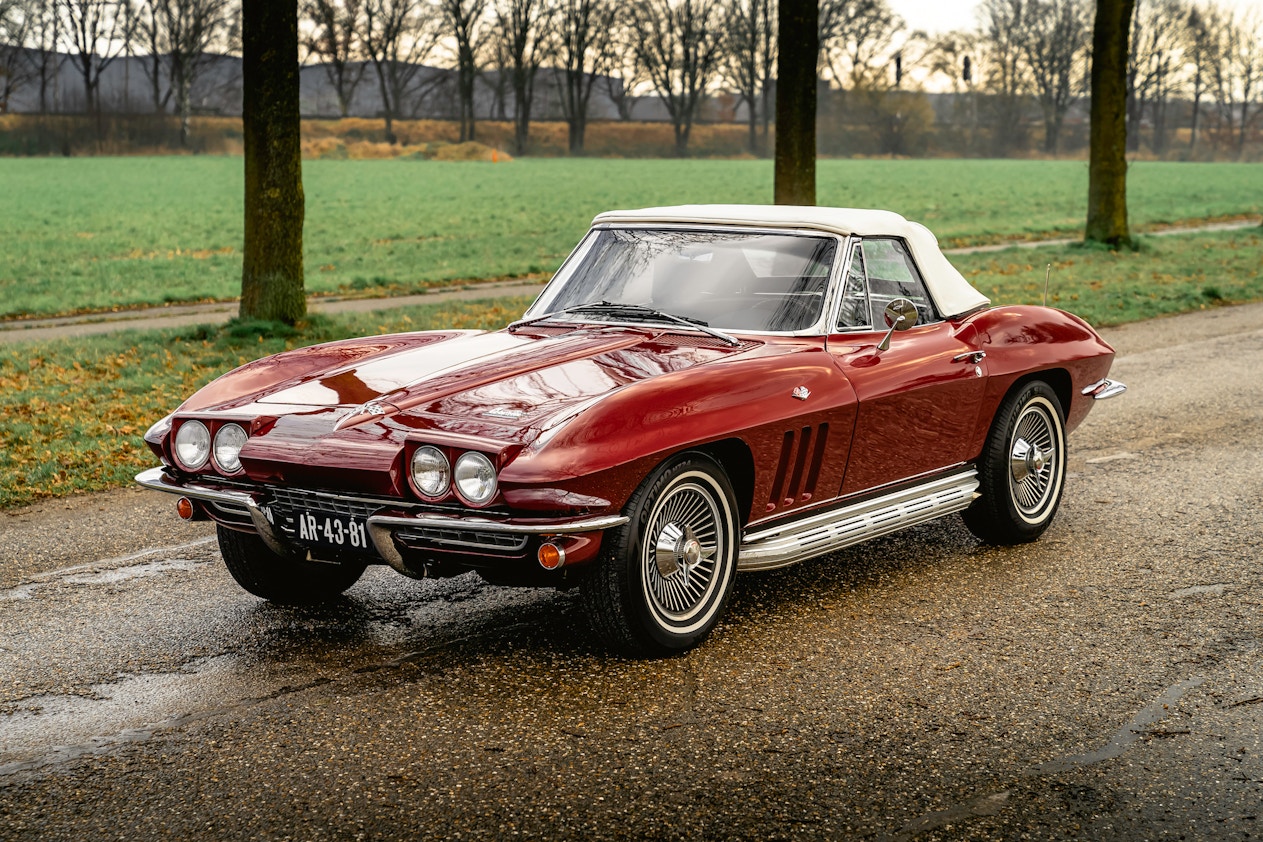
(1047,273)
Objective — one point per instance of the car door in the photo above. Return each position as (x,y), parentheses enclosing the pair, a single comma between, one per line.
(919,398)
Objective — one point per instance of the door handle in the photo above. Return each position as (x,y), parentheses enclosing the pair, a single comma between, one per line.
(974,357)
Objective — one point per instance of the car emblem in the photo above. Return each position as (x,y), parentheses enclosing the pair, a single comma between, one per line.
(801,392)
(505,413)
(371,408)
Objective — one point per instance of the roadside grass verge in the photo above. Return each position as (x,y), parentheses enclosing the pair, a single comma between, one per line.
(96,234)
(72,412)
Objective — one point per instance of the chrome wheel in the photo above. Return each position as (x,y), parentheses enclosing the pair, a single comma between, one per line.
(663,578)
(1022,468)
(678,562)
(1034,459)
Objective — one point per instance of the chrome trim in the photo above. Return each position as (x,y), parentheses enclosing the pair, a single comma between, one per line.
(476,524)
(157,479)
(785,544)
(381,528)
(1105,388)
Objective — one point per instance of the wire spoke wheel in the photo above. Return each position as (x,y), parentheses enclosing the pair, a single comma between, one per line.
(1022,468)
(1034,461)
(664,578)
(678,558)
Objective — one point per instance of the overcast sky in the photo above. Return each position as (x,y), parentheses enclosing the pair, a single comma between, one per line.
(944,15)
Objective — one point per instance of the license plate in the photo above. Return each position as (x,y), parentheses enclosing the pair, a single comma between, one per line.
(337,531)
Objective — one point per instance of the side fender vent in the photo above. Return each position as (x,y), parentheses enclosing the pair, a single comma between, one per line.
(798,467)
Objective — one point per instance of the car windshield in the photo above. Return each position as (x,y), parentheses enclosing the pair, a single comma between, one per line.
(722,279)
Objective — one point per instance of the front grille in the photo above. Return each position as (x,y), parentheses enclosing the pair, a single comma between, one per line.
(296,500)
(495,541)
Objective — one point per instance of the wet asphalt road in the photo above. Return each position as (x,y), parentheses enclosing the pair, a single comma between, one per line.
(1104,683)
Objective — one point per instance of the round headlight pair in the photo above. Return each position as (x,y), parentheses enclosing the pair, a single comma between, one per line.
(474,475)
(193,446)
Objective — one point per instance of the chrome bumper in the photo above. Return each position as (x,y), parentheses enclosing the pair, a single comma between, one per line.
(381,528)
(1104,388)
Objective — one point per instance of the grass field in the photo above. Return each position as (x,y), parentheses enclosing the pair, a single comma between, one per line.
(72,412)
(104,233)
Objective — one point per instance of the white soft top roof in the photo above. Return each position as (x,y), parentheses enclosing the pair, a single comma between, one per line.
(952,294)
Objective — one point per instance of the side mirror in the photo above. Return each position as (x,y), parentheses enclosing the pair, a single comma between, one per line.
(900,314)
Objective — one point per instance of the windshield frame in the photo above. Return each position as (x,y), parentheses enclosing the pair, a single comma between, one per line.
(539,309)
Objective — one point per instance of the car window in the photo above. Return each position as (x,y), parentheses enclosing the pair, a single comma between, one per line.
(729,280)
(891,275)
(855,311)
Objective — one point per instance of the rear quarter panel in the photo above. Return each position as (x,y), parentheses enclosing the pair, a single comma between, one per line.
(1028,342)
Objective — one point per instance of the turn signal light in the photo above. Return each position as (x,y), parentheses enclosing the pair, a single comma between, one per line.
(184,508)
(551,556)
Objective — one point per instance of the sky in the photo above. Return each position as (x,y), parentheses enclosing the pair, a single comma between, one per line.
(935,16)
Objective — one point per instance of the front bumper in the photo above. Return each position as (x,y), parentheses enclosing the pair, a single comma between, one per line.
(387,520)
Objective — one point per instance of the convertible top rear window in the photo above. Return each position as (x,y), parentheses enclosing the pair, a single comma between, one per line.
(728,280)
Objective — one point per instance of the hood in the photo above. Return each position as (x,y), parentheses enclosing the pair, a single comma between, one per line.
(497,379)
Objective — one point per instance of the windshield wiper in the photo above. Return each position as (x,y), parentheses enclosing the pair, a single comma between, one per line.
(638,311)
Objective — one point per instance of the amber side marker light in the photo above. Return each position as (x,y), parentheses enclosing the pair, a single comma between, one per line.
(551,556)
(184,508)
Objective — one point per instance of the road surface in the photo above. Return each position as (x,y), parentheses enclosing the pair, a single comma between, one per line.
(1105,682)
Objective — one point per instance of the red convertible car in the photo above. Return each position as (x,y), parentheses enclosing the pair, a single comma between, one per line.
(699,390)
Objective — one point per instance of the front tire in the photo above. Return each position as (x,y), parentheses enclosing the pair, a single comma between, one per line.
(277,578)
(1022,470)
(663,579)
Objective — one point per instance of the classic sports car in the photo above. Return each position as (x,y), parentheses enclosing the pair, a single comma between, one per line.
(699,390)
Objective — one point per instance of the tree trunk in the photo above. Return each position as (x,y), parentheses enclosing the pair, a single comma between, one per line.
(798,44)
(272,269)
(1107,164)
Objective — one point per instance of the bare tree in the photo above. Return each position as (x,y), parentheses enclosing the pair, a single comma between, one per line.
(334,39)
(856,40)
(951,55)
(179,34)
(1107,162)
(17,18)
(96,33)
(750,55)
(1237,73)
(522,31)
(626,74)
(796,76)
(44,39)
(397,35)
(1199,54)
(1004,29)
(1152,67)
(1055,50)
(583,47)
(272,264)
(465,25)
(678,45)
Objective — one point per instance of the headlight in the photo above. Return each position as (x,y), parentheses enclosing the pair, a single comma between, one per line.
(430,472)
(228,443)
(475,478)
(192,445)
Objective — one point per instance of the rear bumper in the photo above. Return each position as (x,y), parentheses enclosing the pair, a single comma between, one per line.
(387,520)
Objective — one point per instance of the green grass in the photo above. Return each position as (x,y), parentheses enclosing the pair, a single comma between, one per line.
(72,412)
(103,233)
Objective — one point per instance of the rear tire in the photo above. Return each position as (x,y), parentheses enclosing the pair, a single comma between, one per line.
(663,579)
(1022,470)
(277,578)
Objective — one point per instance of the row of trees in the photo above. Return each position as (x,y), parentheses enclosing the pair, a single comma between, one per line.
(1193,52)
(1192,62)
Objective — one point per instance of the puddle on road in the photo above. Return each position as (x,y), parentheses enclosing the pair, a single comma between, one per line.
(104,573)
(50,729)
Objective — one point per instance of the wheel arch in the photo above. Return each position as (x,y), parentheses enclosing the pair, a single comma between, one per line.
(735,457)
(1058,379)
